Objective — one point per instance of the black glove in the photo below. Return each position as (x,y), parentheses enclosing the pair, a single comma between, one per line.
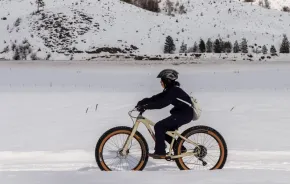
(140,108)
(142,102)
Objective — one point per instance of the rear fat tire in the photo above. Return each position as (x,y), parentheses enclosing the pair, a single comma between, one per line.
(214,134)
(123,130)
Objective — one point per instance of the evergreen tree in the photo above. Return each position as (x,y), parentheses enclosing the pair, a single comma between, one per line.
(236,48)
(40,4)
(273,50)
(209,46)
(264,49)
(222,45)
(183,48)
(195,48)
(228,47)
(244,46)
(202,46)
(169,46)
(285,45)
(217,46)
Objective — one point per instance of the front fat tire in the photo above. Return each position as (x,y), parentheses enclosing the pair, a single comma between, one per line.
(210,131)
(123,130)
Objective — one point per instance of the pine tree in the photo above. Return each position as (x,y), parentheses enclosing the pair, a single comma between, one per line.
(273,50)
(228,47)
(169,46)
(236,48)
(285,45)
(217,46)
(264,49)
(195,48)
(209,46)
(244,46)
(222,44)
(183,48)
(202,46)
(40,4)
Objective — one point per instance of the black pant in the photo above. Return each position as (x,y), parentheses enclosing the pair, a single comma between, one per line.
(170,123)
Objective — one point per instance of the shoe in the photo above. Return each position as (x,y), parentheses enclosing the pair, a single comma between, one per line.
(156,156)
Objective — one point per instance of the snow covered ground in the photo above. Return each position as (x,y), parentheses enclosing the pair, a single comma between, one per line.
(50,124)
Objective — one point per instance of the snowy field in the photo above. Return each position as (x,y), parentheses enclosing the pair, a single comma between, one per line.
(50,123)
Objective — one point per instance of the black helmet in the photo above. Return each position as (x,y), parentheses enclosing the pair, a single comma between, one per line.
(168,74)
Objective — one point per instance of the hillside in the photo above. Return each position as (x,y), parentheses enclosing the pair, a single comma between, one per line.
(88,27)
(276,4)
(189,5)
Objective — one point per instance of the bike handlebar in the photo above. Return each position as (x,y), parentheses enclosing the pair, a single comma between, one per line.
(130,113)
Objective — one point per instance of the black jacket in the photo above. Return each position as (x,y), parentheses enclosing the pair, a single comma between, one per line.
(167,97)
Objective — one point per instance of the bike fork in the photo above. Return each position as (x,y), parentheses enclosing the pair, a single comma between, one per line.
(129,138)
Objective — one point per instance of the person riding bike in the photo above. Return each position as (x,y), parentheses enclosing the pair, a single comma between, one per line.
(181,113)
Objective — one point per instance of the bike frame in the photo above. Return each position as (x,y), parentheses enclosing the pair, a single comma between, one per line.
(148,123)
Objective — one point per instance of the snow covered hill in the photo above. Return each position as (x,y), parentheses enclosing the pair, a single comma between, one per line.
(73,29)
(274,4)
